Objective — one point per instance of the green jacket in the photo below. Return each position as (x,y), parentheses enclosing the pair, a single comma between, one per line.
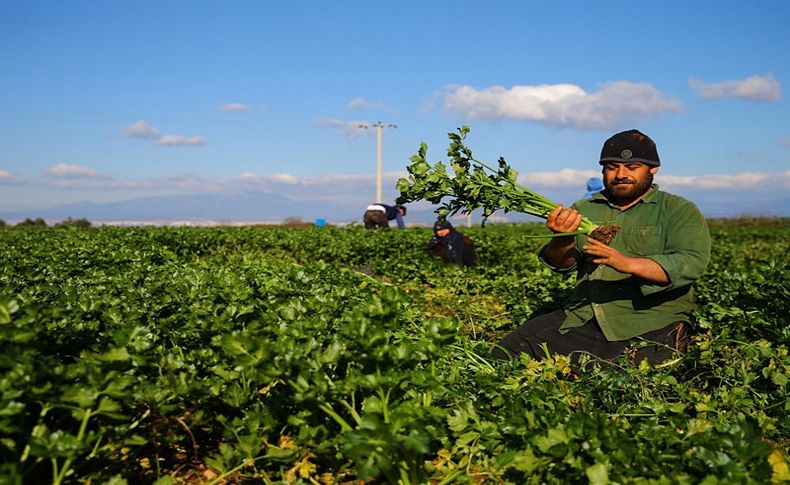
(663,227)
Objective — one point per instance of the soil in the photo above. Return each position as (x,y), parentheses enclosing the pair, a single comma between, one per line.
(605,234)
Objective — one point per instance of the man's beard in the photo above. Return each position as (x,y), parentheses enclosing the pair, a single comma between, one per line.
(624,191)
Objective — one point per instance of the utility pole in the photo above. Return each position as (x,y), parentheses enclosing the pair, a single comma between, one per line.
(379,130)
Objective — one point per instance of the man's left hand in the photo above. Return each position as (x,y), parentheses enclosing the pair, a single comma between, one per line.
(644,268)
(603,254)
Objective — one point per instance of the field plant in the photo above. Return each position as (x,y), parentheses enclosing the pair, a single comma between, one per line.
(306,355)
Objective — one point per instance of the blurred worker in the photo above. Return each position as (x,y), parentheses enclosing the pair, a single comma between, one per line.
(594,185)
(377,216)
(451,245)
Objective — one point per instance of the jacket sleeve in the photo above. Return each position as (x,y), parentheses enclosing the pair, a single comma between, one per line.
(399,220)
(542,259)
(686,248)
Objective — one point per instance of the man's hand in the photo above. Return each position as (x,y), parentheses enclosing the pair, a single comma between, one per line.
(561,251)
(562,219)
(644,268)
(603,254)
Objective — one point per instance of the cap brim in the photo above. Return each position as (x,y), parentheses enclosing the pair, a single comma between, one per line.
(652,163)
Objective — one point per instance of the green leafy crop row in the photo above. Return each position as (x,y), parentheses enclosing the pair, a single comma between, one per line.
(288,355)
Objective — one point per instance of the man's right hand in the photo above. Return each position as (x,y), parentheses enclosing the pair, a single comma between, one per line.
(563,219)
(561,250)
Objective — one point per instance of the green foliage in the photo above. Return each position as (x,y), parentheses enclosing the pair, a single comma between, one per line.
(472,185)
(37,222)
(235,355)
(74,223)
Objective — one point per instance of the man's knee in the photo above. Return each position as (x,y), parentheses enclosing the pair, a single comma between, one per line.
(665,344)
(530,337)
(501,353)
(517,342)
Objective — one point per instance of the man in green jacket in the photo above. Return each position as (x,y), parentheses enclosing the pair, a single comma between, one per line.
(635,292)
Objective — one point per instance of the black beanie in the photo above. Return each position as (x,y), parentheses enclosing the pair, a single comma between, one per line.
(441,225)
(630,146)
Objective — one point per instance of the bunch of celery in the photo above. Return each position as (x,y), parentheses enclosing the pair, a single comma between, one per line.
(473,185)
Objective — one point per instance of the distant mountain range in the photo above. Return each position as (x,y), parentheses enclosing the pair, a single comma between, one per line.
(260,207)
(250,207)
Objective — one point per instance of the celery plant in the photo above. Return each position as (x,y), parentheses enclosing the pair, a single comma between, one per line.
(473,185)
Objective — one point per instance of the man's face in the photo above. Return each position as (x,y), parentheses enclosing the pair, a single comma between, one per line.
(442,232)
(626,182)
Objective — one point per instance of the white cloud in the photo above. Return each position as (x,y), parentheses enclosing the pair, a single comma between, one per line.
(284,178)
(235,107)
(741,181)
(344,184)
(7,178)
(327,181)
(141,129)
(350,190)
(753,88)
(746,180)
(348,129)
(342,189)
(363,104)
(314,187)
(562,105)
(68,171)
(564,178)
(428,105)
(566,185)
(175,140)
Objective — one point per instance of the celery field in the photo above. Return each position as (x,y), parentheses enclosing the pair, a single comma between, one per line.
(338,355)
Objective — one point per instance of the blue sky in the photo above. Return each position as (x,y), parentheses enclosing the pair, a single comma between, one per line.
(103,101)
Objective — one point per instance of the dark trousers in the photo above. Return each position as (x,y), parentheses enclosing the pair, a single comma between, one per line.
(531,337)
(375,220)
